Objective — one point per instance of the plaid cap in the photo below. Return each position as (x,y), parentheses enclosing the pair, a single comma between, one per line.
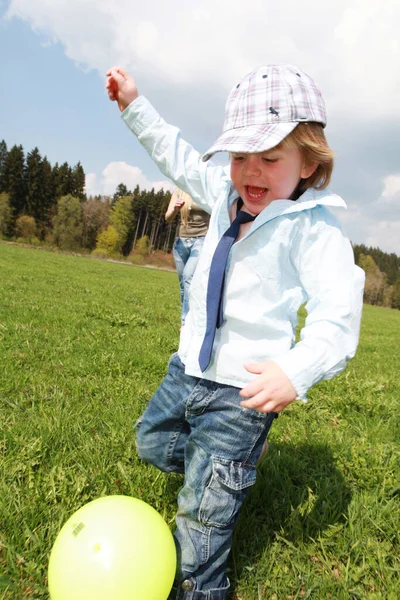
(265,107)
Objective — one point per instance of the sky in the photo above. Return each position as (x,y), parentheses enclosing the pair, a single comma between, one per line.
(185,56)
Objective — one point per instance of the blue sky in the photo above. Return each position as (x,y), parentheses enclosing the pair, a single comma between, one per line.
(186,56)
(51,103)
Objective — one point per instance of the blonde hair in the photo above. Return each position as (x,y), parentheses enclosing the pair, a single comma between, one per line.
(184,213)
(310,139)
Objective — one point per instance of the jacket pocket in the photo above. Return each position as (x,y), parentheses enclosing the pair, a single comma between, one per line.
(226,490)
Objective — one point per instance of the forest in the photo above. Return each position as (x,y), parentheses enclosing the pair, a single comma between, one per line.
(46,205)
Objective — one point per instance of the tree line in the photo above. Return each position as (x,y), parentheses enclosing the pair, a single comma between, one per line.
(32,186)
(45,204)
(382,270)
(41,203)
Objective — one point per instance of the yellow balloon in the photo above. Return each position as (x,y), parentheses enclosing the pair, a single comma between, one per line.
(113,548)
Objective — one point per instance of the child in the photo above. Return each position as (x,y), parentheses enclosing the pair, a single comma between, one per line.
(192,228)
(238,364)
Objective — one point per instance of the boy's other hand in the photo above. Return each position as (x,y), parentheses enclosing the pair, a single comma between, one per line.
(121,87)
(272,391)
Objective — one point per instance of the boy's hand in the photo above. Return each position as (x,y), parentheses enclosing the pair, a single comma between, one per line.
(121,87)
(272,391)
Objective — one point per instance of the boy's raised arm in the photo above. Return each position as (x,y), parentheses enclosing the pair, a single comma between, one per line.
(175,158)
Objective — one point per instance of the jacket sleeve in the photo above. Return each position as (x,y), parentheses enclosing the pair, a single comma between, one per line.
(204,182)
(333,286)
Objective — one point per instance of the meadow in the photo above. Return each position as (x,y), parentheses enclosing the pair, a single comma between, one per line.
(83,345)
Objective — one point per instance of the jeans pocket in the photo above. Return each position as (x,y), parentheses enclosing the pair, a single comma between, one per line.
(225,492)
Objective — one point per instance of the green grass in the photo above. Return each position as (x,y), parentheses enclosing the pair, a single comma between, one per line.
(83,345)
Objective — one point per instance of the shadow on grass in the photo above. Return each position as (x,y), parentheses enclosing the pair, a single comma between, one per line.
(299,493)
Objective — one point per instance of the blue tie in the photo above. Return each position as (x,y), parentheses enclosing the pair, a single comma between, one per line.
(216,286)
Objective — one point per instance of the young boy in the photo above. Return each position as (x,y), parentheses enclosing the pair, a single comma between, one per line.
(238,364)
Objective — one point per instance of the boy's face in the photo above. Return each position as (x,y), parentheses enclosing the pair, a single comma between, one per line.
(262,177)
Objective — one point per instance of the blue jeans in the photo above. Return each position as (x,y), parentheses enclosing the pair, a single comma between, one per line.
(197,427)
(186,254)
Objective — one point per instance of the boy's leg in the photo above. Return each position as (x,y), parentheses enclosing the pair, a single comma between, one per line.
(162,430)
(223,446)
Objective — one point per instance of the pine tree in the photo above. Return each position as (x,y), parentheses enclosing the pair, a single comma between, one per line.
(64,184)
(3,167)
(78,181)
(55,180)
(121,191)
(34,185)
(49,196)
(149,208)
(15,167)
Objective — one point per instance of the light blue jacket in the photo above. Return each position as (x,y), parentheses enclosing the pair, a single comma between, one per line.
(293,253)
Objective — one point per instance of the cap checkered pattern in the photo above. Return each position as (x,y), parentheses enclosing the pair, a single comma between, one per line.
(265,107)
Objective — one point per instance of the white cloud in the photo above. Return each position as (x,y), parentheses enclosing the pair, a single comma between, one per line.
(368,58)
(380,222)
(370,225)
(391,186)
(384,235)
(351,47)
(91,186)
(120,172)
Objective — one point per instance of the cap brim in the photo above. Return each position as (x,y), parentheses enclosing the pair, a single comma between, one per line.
(256,138)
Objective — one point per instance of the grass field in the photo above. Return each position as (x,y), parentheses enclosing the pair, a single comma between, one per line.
(83,345)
